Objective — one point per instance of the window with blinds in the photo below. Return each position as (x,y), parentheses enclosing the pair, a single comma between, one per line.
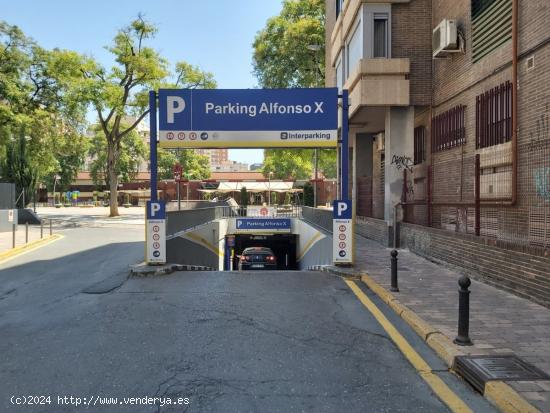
(491,26)
(448,129)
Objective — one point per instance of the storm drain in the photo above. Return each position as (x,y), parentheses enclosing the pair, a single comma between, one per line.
(478,370)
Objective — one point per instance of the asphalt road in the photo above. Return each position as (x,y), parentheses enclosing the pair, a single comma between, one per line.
(229,342)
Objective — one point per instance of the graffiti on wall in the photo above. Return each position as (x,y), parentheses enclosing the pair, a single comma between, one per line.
(402,162)
(542,182)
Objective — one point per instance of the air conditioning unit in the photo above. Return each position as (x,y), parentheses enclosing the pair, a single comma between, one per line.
(445,38)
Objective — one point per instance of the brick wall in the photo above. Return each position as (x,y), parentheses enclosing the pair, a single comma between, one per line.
(522,274)
(412,39)
(376,229)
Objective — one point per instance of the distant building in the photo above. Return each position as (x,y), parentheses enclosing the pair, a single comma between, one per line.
(256,166)
(229,166)
(216,156)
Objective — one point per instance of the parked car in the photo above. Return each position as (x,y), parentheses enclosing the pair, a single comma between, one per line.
(257,258)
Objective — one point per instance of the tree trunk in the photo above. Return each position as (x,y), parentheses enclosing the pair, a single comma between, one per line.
(113,179)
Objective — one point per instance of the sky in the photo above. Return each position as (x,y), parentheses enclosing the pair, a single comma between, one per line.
(216,35)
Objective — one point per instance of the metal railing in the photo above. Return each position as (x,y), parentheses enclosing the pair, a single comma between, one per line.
(258,211)
(319,217)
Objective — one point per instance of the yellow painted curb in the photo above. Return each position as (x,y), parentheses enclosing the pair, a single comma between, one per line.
(31,246)
(507,399)
(504,397)
(422,328)
(444,348)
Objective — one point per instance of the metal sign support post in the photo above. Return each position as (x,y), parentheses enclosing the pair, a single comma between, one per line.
(153,142)
(345,146)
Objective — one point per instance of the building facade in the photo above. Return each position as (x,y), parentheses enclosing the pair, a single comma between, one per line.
(433,86)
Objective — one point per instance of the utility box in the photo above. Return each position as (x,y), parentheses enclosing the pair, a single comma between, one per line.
(8,217)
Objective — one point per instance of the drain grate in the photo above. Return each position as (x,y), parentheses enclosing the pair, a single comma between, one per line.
(478,370)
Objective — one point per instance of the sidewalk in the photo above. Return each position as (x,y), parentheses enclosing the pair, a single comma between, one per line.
(6,238)
(500,323)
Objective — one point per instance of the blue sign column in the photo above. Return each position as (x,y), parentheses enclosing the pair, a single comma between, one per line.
(153,142)
(345,146)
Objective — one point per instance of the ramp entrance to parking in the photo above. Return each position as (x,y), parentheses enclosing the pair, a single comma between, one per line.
(244,118)
(283,247)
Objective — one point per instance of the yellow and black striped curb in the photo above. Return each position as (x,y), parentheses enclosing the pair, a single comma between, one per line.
(31,246)
(500,394)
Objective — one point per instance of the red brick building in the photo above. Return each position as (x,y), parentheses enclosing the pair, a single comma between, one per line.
(433,86)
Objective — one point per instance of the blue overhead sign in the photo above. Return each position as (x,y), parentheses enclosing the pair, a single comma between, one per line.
(263,224)
(248,117)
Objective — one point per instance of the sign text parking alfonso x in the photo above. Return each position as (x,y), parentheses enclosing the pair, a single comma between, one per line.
(248,118)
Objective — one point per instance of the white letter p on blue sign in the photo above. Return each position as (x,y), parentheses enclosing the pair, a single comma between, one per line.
(341,209)
(174,104)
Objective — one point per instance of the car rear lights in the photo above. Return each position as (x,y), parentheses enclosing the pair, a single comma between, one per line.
(270,258)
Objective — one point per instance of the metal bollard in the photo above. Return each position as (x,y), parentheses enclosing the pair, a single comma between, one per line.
(13,236)
(26,232)
(41,228)
(50,227)
(462,339)
(393,260)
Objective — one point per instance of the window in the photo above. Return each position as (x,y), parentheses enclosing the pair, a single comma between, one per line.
(419,145)
(354,49)
(339,74)
(491,26)
(339,7)
(494,116)
(448,129)
(380,35)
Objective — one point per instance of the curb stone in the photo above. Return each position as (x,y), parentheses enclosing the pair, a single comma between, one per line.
(500,394)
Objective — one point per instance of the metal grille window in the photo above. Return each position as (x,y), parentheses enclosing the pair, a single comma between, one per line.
(419,145)
(491,26)
(494,116)
(448,129)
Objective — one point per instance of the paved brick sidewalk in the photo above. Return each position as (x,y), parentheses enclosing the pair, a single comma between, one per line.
(500,323)
(6,238)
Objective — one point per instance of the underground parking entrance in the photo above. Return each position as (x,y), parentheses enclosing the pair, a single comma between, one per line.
(242,118)
(283,247)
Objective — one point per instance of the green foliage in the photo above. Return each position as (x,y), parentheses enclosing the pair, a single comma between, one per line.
(281,56)
(287,163)
(122,92)
(132,153)
(38,94)
(308,195)
(194,166)
(18,170)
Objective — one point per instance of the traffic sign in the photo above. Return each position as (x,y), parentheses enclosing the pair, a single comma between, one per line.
(342,232)
(156,232)
(253,118)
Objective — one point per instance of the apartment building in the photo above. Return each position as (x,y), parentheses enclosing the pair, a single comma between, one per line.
(433,86)
(216,156)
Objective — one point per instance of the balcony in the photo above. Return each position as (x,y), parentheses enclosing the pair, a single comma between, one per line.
(379,82)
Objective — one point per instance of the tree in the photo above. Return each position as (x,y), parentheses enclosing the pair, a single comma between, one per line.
(38,94)
(281,57)
(194,166)
(308,195)
(287,163)
(133,152)
(18,169)
(123,91)
(290,52)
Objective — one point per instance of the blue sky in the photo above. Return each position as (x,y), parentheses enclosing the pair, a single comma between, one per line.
(216,35)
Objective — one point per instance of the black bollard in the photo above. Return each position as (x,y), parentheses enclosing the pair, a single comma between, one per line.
(462,339)
(393,260)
